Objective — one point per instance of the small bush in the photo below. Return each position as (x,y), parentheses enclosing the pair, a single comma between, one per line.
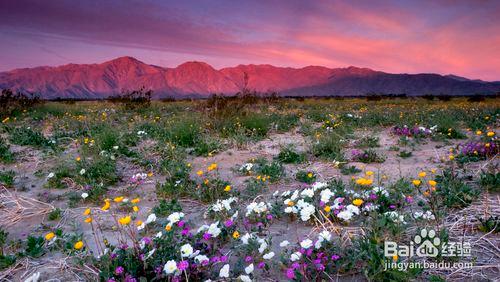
(308,177)
(367,156)
(288,155)
(348,170)
(454,192)
(26,136)
(6,156)
(7,178)
(368,142)
(329,146)
(165,208)
(490,180)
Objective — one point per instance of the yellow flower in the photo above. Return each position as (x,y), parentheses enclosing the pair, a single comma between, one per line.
(490,134)
(50,236)
(291,203)
(189,165)
(125,220)
(487,145)
(433,170)
(138,222)
(422,174)
(416,182)
(119,199)
(106,206)
(135,208)
(135,201)
(78,159)
(168,227)
(228,188)
(357,202)
(206,181)
(150,174)
(432,183)
(369,173)
(364,181)
(327,208)
(78,245)
(88,220)
(199,172)
(310,175)
(236,234)
(451,157)
(479,132)
(395,257)
(86,212)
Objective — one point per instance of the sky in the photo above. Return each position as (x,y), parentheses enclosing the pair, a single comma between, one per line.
(458,37)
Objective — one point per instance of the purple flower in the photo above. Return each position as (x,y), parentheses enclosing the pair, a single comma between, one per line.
(146,240)
(335,257)
(320,267)
(183,265)
(290,273)
(295,265)
(119,270)
(269,217)
(181,223)
(223,258)
(392,207)
(373,196)
(248,259)
(207,236)
(228,223)
(261,264)
(215,259)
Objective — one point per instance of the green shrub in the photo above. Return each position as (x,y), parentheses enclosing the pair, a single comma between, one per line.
(6,156)
(308,177)
(367,142)
(7,178)
(288,155)
(348,170)
(165,208)
(25,136)
(454,192)
(329,146)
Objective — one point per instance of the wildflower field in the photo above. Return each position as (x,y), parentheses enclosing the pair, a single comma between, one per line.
(248,190)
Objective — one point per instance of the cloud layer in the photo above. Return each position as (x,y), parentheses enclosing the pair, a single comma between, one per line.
(444,37)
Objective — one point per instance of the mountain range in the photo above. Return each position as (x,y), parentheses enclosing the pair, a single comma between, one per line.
(198,80)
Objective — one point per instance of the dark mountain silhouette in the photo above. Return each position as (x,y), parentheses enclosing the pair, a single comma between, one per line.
(198,79)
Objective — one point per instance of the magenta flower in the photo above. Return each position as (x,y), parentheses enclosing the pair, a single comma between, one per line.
(290,273)
(207,236)
(228,223)
(119,270)
(248,259)
(183,265)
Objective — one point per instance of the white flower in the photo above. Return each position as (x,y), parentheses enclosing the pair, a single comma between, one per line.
(224,271)
(325,235)
(284,244)
(245,278)
(159,234)
(82,171)
(50,175)
(307,193)
(245,238)
(306,244)
(33,278)
(186,250)
(115,147)
(84,195)
(249,269)
(263,246)
(319,185)
(201,258)
(326,195)
(141,226)
(296,256)
(170,267)
(269,255)
(175,217)
(151,218)
(214,230)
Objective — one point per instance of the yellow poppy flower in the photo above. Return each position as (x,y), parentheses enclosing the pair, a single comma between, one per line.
(50,236)
(78,245)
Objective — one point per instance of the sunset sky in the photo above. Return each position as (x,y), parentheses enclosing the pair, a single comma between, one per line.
(459,37)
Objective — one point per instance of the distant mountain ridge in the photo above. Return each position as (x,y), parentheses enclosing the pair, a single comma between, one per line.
(198,79)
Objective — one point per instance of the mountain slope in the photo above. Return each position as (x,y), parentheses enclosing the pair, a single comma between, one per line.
(198,79)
